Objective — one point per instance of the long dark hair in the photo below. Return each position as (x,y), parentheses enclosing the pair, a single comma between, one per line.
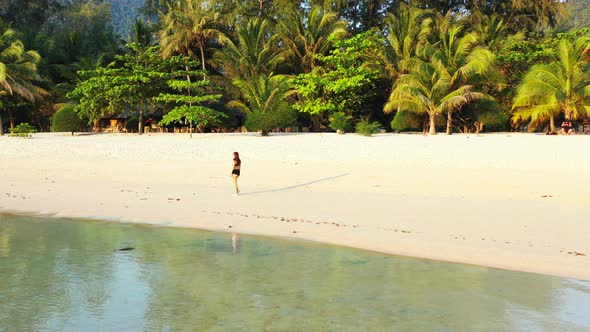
(237,160)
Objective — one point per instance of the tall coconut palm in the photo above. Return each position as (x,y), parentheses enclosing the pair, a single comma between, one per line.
(255,52)
(188,26)
(561,86)
(428,88)
(463,58)
(307,33)
(407,31)
(18,70)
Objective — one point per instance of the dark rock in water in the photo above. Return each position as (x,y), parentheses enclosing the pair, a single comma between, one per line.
(125,249)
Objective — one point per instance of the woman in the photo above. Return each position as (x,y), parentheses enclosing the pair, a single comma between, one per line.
(235,173)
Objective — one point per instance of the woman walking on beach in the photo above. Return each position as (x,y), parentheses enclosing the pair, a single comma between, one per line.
(235,173)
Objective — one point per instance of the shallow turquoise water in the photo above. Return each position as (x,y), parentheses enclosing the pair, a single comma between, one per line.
(65,275)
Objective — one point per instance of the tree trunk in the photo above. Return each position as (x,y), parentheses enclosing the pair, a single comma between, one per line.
(371,13)
(449,123)
(432,130)
(190,128)
(95,126)
(11,119)
(140,119)
(478,127)
(201,48)
(1,127)
(552,122)
(316,122)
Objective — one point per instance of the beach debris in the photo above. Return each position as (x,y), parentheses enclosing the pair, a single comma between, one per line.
(125,249)
(229,226)
(576,253)
(294,232)
(546,196)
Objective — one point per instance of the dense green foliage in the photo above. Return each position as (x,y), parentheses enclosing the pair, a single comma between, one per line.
(367,128)
(24,130)
(66,120)
(191,104)
(340,122)
(409,65)
(267,121)
(562,86)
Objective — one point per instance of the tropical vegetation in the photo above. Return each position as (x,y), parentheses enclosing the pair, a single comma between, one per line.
(191,65)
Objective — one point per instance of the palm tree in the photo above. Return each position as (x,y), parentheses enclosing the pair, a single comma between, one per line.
(463,58)
(256,51)
(141,33)
(264,94)
(491,30)
(188,26)
(18,70)
(407,31)
(308,33)
(561,86)
(428,88)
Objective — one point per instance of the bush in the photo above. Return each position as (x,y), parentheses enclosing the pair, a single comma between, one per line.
(23,130)
(340,122)
(267,121)
(407,120)
(366,128)
(66,119)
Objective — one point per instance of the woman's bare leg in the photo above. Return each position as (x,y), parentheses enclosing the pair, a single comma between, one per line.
(235,179)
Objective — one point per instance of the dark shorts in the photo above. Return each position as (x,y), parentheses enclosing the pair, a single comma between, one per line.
(236,172)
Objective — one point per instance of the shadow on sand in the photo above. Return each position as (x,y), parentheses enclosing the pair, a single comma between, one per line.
(295,186)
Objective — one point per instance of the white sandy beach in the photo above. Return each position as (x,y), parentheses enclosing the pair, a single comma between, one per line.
(512,201)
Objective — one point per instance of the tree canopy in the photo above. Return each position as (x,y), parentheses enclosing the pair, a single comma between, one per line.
(301,61)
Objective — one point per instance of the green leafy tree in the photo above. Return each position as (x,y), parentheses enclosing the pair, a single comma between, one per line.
(560,87)
(191,103)
(342,84)
(84,30)
(94,95)
(142,75)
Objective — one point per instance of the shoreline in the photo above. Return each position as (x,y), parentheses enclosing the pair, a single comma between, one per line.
(479,207)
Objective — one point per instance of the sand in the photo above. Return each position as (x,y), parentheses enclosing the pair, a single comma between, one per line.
(510,201)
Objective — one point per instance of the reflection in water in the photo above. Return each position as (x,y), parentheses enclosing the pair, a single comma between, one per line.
(62,275)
